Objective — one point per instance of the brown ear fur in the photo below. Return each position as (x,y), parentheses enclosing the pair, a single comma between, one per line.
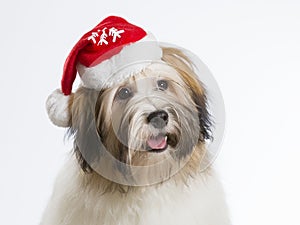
(177,59)
(83,128)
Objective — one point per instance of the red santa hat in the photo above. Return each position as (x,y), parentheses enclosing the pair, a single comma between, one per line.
(113,44)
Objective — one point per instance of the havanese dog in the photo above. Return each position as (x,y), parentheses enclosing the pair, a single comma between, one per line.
(139,144)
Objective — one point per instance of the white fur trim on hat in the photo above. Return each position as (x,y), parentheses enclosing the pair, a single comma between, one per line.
(132,59)
(57,108)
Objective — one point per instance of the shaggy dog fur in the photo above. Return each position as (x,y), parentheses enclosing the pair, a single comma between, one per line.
(117,121)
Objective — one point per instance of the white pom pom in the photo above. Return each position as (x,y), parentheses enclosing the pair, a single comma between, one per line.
(57,108)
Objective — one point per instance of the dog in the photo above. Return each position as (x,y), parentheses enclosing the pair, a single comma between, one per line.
(157,115)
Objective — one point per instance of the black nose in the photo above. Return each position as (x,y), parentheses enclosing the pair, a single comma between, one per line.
(158,119)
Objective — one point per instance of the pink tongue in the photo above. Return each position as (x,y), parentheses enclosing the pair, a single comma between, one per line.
(159,142)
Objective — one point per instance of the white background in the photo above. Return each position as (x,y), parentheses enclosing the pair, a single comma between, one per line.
(251,47)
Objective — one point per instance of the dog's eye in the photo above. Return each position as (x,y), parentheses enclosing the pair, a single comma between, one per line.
(162,84)
(124,93)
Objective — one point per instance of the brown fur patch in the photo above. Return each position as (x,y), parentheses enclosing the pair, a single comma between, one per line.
(183,65)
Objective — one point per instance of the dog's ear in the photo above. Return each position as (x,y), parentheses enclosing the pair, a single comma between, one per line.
(83,128)
(200,99)
(178,60)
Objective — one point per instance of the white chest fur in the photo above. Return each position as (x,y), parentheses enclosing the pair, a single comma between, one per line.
(201,202)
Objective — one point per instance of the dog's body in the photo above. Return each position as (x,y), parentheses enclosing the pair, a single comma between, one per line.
(156,124)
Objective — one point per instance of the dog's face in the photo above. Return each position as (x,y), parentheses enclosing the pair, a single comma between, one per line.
(156,116)
(148,117)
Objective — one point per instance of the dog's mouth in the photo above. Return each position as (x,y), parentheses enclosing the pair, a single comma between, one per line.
(160,142)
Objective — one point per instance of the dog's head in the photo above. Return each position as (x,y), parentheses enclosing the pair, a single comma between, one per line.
(155,116)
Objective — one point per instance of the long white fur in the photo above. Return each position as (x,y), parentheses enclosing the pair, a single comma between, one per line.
(201,202)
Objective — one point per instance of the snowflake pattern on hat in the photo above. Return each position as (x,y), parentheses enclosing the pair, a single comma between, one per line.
(100,39)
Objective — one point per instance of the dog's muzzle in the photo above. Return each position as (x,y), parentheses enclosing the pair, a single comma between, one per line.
(158,119)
